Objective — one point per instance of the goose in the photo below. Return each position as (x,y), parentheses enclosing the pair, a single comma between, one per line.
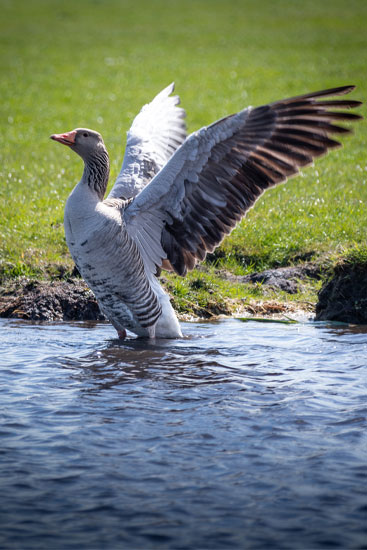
(177,196)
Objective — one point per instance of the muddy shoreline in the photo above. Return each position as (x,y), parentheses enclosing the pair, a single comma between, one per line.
(343,296)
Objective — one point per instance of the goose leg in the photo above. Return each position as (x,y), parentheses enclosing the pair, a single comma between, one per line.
(151,332)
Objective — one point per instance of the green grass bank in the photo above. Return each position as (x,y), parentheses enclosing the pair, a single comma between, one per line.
(95,63)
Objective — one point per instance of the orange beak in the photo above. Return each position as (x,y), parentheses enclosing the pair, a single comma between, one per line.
(66,139)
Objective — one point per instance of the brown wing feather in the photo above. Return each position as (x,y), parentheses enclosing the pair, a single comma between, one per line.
(276,141)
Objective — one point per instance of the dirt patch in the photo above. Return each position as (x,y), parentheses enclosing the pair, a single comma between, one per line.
(49,301)
(288,279)
(273,308)
(344,297)
(285,278)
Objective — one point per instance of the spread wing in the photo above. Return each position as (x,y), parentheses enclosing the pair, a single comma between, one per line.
(154,136)
(220,171)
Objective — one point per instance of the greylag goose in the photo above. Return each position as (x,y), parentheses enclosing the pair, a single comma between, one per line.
(177,197)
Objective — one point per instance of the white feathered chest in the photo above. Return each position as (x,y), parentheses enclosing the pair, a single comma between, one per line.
(109,260)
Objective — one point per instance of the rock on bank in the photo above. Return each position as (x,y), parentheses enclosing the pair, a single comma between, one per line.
(344,296)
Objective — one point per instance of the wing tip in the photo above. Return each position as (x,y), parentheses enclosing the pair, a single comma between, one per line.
(339,90)
(165,96)
(167,91)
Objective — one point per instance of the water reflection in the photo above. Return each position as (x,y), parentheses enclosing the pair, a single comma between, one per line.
(340,328)
(135,361)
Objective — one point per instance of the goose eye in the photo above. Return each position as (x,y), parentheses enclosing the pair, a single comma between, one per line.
(85,134)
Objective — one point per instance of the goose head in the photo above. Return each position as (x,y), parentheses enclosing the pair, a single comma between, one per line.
(86,143)
(89,145)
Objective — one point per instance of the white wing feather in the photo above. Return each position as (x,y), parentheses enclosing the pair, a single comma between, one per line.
(154,136)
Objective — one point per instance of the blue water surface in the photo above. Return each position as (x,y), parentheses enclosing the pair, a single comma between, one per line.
(241,435)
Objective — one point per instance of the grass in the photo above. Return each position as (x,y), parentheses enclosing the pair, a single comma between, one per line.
(206,292)
(94,63)
(356,256)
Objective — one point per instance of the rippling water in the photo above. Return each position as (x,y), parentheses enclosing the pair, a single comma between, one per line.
(241,435)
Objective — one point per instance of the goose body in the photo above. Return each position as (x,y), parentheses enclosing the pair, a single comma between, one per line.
(111,264)
(176,197)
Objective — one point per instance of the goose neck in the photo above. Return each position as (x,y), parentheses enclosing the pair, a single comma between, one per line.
(96,172)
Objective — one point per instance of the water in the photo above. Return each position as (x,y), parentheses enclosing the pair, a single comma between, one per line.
(242,435)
